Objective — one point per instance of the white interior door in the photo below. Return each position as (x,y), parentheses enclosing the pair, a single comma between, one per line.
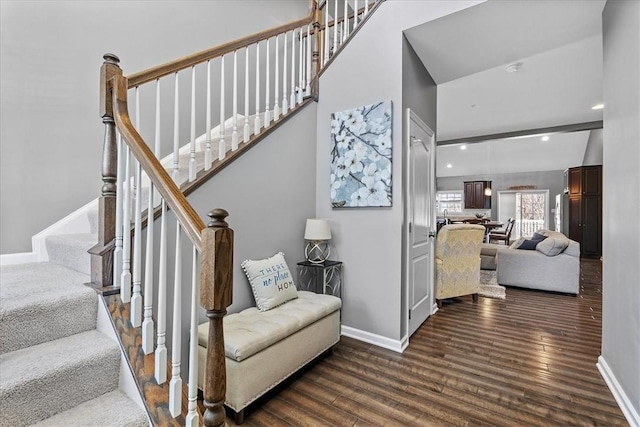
(420,228)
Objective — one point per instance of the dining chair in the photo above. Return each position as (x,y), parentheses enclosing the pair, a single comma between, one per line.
(502,235)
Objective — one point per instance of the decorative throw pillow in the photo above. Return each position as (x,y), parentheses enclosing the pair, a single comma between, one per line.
(517,243)
(553,245)
(271,281)
(528,244)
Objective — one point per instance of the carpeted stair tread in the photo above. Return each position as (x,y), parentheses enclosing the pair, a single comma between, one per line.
(115,410)
(64,305)
(59,375)
(70,250)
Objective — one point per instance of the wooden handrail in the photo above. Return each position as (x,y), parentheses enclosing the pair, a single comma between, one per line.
(162,70)
(177,202)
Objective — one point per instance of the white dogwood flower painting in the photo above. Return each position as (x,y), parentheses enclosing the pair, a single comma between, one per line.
(361,156)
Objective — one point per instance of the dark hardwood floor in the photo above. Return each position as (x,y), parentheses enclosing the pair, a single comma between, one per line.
(528,360)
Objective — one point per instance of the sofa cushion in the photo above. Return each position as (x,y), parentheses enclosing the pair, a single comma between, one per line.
(271,281)
(528,244)
(553,245)
(251,330)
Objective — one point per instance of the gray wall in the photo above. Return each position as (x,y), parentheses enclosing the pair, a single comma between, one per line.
(621,181)
(369,240)
(546,180)
(593,153)
(50,55)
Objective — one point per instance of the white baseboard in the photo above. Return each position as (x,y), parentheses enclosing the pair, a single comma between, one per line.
(627,408)
(378,340)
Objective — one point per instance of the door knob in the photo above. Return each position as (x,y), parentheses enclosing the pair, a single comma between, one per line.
(432,234)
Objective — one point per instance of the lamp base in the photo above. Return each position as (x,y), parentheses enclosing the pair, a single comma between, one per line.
(317,251)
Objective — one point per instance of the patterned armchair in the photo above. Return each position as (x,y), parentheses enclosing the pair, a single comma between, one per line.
(458,261)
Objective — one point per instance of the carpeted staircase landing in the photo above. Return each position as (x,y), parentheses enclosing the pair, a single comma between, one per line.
(56,369)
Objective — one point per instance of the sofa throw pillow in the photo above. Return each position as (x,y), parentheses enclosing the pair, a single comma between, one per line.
(516,244)
(553,245)
(528,244)
(271,281)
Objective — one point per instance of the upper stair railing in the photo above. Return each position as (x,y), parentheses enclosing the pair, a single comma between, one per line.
(272,74)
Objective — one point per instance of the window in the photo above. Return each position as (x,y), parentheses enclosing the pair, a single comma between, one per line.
(449,200)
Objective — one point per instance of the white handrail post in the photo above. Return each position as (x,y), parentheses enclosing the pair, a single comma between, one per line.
(176,131)
(117,253)
(326,33)
(292,100)
(161,348)
(355,14)
(247,131)
(345,22)
(234,134)
(276,108)
(285,107)
(222,149)
(267,113)
(192,419)
(208,155)
(125,279)
(192,151)
(257,122)
(307,89)
(175,385)
(136,298)
(335,27)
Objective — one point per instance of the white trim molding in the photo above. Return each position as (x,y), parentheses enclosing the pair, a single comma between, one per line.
(18,258)
(627,408)
(396,345)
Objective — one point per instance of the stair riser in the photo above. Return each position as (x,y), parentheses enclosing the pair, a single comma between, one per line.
(43,397)
(41,323)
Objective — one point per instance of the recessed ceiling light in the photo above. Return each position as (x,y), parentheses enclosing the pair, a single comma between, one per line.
(449,165)
(545,138)
(463,147)
(598,107)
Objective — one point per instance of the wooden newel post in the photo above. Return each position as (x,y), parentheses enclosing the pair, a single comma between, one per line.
(215,296)
(316,50)
(102,253)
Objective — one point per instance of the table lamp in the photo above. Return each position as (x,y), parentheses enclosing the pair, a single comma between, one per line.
(318,234)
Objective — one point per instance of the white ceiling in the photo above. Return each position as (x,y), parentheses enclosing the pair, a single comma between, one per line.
(558,42)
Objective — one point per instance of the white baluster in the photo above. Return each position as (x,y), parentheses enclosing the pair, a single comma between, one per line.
(301,68)
(147,313)
(192,148)
(366,7)
(307,89)
(117,253)
(192,419)
(234,134)
(276,109)
(285,106)
(125,279)
(161,348)
(208,155)
(292,100)
(222,149)
(136,298)
(267,112)
(345,22)
(256,123)
(355,14)
(175,385)
(326,33)
(247,131)
(335,27)
(176,131)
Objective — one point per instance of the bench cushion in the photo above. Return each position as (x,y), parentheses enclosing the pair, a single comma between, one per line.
(251,330)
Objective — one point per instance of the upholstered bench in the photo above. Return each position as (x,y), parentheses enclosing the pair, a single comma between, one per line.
(263,348)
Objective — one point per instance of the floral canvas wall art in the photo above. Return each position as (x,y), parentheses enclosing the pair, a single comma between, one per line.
(361,156)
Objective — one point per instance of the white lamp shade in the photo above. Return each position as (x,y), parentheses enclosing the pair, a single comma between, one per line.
(317,229)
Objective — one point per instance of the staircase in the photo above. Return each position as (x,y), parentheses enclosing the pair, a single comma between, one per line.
(57,369)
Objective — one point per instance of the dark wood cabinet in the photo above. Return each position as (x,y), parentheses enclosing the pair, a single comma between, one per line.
(585,209)
(475,196)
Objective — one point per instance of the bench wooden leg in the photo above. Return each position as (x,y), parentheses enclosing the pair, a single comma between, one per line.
(239,417)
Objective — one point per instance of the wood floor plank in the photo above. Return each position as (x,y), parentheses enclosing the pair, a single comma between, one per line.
(528,360)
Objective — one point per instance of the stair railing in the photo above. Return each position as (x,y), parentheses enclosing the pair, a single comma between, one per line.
(288,58)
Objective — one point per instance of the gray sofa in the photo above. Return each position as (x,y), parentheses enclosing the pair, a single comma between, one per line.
(541,268)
